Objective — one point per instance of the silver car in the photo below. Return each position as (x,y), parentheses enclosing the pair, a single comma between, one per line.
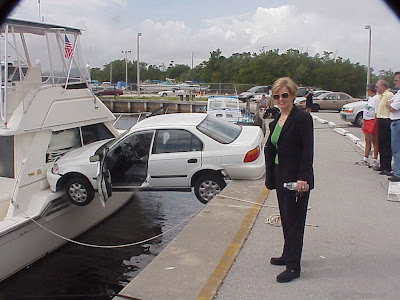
(331,101)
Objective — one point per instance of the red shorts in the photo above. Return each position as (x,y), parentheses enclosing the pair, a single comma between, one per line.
(369,127)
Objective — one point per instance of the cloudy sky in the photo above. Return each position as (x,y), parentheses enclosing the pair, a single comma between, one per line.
(176,30)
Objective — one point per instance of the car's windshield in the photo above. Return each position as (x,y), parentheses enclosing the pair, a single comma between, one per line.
(253,89)
(219,130)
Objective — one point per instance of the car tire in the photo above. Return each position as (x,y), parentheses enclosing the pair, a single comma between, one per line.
(315,108)
(207,186)
(359,120)
(79,191)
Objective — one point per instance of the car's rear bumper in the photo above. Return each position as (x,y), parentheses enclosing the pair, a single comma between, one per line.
(248,171)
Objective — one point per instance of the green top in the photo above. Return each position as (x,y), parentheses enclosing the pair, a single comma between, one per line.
(274,139)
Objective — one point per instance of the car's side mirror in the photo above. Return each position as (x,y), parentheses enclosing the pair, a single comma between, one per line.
(94,158)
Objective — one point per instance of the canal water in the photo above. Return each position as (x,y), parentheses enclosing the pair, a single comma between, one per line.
(78,270)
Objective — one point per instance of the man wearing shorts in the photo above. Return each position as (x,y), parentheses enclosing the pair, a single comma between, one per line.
(370,128)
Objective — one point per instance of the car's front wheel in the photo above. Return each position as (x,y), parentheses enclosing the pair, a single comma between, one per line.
(315,108)
(79,191)
(207,186)
(359,120)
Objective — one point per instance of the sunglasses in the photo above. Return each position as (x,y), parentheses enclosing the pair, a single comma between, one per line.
(277,96)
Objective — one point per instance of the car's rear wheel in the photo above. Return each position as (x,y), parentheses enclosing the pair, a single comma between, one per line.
(79,191)
(163,95)
(207,186)
(315,108)
(359,120)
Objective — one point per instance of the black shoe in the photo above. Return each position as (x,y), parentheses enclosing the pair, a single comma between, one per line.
(394,179)
(378,169)
(288,275)
(386,172)
(278,261)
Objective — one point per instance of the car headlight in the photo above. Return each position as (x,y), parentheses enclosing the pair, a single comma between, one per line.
(55,169)
(348,109)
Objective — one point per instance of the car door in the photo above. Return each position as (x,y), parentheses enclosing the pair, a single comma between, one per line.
(176,154)
(330,101)
(343,99)
(127,159)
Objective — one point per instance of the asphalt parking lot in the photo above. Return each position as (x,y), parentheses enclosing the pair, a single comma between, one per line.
(334,116)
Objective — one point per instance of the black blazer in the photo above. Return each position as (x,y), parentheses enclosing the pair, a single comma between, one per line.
(295,150)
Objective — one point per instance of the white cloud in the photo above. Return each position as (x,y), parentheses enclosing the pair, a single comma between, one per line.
(172,33)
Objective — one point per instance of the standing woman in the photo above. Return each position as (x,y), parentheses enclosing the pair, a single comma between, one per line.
(289,158)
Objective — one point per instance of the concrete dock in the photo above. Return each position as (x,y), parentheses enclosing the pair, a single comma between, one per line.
(351,248)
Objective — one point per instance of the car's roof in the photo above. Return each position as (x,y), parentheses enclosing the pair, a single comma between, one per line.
(177,119)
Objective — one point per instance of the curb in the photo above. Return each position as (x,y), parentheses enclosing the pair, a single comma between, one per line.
(225,263)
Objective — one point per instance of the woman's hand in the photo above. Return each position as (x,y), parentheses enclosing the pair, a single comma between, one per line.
(301,186)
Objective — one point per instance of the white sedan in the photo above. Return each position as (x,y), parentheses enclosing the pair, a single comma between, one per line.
(353,112)
(165,152)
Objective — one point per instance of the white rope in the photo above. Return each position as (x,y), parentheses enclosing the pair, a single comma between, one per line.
(106,246)
(237,199)
(274,219)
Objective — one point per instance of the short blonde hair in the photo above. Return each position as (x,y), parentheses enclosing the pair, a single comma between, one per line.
(287,82)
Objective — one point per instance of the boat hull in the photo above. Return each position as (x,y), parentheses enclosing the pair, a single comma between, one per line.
(23,241)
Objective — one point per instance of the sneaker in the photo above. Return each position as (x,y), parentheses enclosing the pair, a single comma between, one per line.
(362,163)
(375,164)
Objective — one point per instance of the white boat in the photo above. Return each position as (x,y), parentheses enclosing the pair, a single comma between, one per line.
(158,86)
(228,108)
(47,109)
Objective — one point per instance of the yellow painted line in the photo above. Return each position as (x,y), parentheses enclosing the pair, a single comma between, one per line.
(225,263)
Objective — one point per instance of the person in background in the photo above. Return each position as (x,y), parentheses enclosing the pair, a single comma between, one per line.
(394,107)
(289,156)
(382,115)
(370,128)
(262,102)
(309,99)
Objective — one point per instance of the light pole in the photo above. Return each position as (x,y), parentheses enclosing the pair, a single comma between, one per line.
(368,27)
(138,66)
(126,68)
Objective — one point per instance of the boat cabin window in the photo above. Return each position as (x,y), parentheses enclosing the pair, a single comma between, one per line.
(65,140)
(7,156)
(61,142)
(95,132)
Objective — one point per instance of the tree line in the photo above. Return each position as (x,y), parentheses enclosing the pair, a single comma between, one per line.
(321,71)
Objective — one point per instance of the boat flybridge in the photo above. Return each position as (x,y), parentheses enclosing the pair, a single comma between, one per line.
(47,109)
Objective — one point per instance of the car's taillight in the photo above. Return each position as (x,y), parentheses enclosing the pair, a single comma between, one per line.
(252,155)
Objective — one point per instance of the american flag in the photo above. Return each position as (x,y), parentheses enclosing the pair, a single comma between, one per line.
(68,50)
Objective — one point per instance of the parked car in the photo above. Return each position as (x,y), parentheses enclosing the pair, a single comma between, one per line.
(254,91)
(315,95)
(353,112)
(109,91)
(165,152)
(331,101)
(167,93)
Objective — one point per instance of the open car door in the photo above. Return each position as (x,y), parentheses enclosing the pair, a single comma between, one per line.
(126,162)
(103,179)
